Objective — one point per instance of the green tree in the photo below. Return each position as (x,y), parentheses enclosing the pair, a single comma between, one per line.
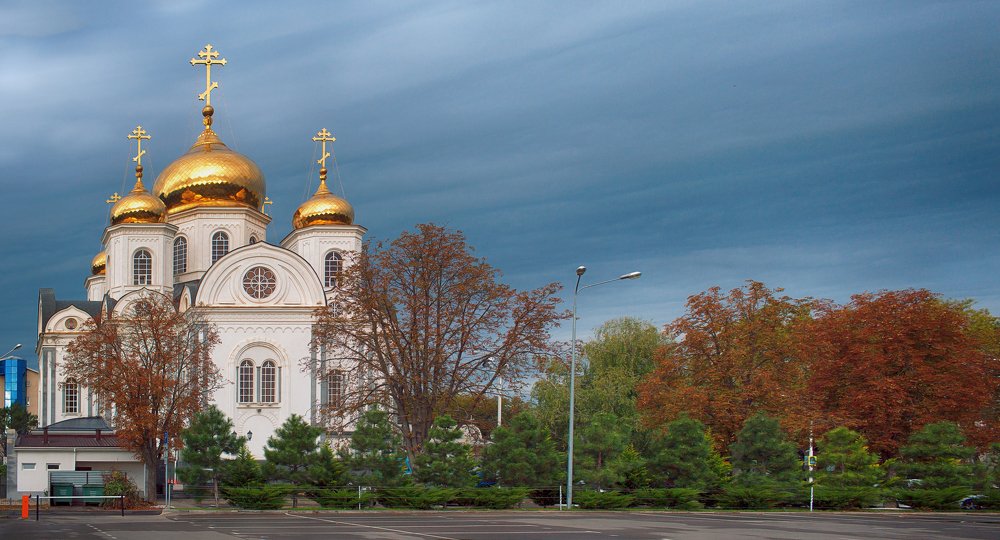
(209,435)
(685,458)
(18,418)
(445,461)
(762,451)
(326,469)
(938,457)
(292,450)
(522,454)
(847,474)
(243,471)
(600,440)
(630,469)
(376,453)
(844,460)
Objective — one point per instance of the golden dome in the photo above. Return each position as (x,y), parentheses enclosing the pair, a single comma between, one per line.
(99,266)
(139,206)
(323,208)
(210,174)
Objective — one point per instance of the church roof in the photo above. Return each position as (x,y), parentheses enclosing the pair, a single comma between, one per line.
(50,306)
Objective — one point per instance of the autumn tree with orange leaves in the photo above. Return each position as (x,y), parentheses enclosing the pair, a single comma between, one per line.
(734,355)
(888,363)
(420,322)
(151,364)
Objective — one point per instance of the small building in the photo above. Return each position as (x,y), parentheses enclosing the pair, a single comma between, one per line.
(18,382)
(86,444)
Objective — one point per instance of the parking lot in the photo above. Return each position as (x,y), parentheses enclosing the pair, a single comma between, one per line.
(502,525)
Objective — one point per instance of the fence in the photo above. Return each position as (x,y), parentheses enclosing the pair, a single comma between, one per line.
(26,502)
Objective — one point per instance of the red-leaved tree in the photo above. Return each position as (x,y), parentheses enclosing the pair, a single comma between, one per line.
(734,355)
(151,365)
(888,363)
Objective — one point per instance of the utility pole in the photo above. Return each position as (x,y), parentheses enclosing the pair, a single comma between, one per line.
(811,460)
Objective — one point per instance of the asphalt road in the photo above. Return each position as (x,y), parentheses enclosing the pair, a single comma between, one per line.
(502,525)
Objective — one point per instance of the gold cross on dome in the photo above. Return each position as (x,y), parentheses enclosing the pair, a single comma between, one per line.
(267,202)
(138,134)
(114,198)
(208,58)
(323,136)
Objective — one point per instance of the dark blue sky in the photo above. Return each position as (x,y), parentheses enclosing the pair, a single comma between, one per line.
(828,149)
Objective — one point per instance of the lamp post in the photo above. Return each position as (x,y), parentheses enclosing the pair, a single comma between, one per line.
(572,374)
(6,354)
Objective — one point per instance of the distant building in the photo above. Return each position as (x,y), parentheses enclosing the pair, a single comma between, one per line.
(19,383)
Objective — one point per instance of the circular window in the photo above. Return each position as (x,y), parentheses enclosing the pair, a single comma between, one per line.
(259,282)
(71,324)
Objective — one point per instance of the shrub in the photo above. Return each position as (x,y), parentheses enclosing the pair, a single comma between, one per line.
(118,483)
(679,498)
(737,496)
(340,498)
(603,500)
(545,496)
(846,497)
(497,498)
(932,498)
(416,497)
(257,498)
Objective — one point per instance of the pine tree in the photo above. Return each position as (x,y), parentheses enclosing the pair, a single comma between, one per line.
(446,461)
(208,437)
(376,456)
(685,457)
(762,451)
(242,471)
(844,460)
(327,470)
(601,439)
(630,469)
(522,454)
(937,456)
(292,450)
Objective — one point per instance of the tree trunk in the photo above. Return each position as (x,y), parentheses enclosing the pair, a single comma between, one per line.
(151,467)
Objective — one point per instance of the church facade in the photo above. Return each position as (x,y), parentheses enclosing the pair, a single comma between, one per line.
(199,237)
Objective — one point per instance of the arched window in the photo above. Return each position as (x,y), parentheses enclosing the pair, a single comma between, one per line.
(71,397)
(335,389)
(180,255)
(220,245)
(268,382)
(253,240)
(142,268)
(332,266)
(245,378)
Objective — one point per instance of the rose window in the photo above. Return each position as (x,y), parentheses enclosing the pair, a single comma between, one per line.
(259,282)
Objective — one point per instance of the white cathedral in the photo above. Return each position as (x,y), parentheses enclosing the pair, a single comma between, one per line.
(199,237)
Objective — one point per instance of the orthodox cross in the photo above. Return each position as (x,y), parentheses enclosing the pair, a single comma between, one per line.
(323,136)
(114,198)
(267,202)
(138,134)
(208,58)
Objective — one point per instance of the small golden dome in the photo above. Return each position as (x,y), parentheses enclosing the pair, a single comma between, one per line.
(139,206)
(210,174)
(323,208)
(99,266)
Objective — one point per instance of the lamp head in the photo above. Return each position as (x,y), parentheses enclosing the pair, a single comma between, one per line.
(16,347)
(249,435)
(580,270)
(630,275)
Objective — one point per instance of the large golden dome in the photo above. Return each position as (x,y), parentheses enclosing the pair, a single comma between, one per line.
(210,174)
(323,208)
(139,206)
(99,266)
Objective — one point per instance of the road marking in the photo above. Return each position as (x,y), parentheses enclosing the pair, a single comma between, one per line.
(372,527)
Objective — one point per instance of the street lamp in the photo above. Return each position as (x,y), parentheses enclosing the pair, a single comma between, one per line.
(572,373)
(6,354)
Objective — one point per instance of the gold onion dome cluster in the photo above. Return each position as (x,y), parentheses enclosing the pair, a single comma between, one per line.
(139,206)
(99,266)
(323,208)
(210,174)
